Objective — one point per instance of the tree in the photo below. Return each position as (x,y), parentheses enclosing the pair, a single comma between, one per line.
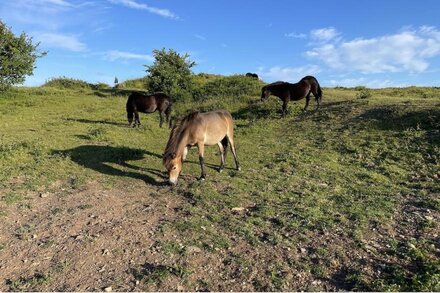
(170,73)
(17,57)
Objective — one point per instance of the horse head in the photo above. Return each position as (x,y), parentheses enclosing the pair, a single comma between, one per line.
(173,164)
(265,93)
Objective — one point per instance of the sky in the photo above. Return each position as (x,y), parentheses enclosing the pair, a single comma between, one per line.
(373,43)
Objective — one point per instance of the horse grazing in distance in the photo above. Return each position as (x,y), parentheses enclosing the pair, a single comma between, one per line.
(253,75)
(199,129)
(139,102)
(294,91)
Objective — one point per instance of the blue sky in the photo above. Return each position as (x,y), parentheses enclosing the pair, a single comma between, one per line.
(342,42)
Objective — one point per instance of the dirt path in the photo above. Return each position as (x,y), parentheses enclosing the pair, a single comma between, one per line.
(81,240)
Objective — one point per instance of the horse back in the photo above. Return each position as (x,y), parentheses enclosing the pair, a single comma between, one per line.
(147,103)
(212,127)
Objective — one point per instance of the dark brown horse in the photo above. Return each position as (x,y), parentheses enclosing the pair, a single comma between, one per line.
(294,91)
(199,129)
(253,75)
(139,102)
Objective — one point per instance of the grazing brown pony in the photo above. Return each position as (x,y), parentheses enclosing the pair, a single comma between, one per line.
(294,91)
(199,129)
(139,102)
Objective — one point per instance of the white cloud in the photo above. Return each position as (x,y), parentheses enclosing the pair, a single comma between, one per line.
(324,34)
(404,51)
(295,35)
(116,55)
(56,40)
(289,74)
(141,6)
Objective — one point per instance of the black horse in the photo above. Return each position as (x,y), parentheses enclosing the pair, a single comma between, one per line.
(294,91)
(139,102)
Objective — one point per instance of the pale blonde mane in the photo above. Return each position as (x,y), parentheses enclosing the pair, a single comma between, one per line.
(176,133)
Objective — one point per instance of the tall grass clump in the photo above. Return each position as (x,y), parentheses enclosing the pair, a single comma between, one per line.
(363,93)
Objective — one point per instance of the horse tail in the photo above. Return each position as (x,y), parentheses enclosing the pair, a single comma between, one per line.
(319,91)
(318,88)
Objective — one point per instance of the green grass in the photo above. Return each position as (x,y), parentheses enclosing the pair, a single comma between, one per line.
(344,170)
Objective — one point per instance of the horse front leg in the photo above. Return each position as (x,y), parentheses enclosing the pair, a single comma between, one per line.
(160,119)
(284,107)
(201,148)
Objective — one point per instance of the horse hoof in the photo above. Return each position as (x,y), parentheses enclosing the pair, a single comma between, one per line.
(239,169)
(220,170)
(202,178)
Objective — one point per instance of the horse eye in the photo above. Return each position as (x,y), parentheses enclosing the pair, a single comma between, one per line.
(175,167)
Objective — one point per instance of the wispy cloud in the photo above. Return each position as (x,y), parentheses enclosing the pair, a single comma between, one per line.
(120,55)
(57,40)
(295,35)
(324,34)
(141,6)
(290,74)
(408,50)
(57,2)
(200,37)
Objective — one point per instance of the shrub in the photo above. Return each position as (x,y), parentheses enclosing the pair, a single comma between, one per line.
(17,57)
(234,86)
(68,83)
(137,83)
(364,94)
(171,74)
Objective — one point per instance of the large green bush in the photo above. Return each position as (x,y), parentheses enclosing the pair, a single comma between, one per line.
(171,74)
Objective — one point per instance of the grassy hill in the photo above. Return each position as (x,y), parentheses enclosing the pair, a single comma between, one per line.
(344,198)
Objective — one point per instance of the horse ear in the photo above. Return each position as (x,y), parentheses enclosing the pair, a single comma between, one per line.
(173,155)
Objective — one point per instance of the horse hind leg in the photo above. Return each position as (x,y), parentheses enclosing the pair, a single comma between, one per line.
(130,118)
(234,152)
(137,122)
(318,102)
(316,93)
(223,147)
(307,102)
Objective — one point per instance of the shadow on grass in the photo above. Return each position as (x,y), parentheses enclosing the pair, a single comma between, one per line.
(90,121)
(103,158)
